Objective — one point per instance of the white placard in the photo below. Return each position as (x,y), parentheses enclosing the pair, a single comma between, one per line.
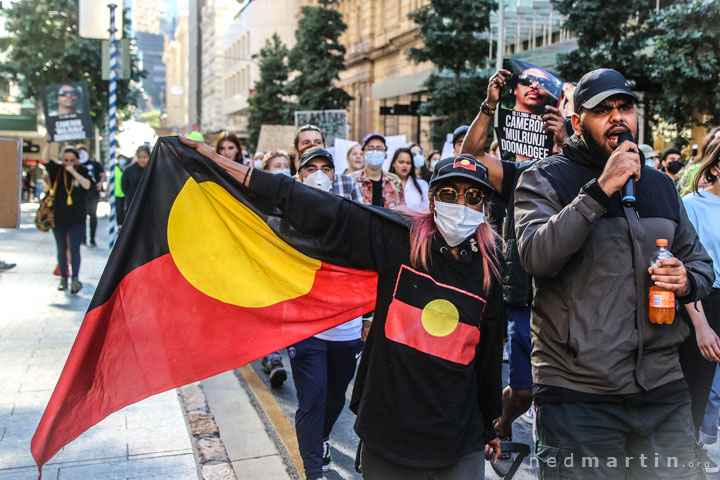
(341,148)
(95,19)
(447,150)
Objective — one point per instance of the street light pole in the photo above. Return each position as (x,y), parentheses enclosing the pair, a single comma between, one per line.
(501,36)
(112,123)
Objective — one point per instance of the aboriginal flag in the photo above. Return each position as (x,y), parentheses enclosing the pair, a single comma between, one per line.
(205,276)
(433,318)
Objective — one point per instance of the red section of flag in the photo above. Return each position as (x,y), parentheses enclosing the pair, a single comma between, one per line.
(157,332)
(404,325)
(464,163)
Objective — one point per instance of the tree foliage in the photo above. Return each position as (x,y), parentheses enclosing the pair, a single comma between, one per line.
(268,106)
(686,63)
(44,48)
(318,57)
(610,34)
(449,32)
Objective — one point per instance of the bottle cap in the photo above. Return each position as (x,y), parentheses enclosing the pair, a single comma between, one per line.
(661,242)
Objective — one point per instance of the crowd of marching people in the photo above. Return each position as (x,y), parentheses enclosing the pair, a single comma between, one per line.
(561,269)
(540,257)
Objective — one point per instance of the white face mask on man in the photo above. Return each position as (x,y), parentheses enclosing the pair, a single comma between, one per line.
(318,179)
(456,222)
(374,158)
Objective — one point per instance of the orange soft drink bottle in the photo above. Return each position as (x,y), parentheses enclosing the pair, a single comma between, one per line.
(662,302)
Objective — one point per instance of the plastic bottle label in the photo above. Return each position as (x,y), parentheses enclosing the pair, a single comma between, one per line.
(662,299)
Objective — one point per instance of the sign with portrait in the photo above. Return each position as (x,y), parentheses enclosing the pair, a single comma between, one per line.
(529,89)
(67,111)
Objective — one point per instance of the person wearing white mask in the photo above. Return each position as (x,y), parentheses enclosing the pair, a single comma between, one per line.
(277,161)
(433,356)
(378,187)
(420,162)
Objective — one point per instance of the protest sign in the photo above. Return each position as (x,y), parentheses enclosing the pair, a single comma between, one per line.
(529,89)
(275,137)
(67,111)
(333,123)
(342,146)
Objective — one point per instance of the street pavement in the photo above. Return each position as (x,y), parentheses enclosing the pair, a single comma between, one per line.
(38,325)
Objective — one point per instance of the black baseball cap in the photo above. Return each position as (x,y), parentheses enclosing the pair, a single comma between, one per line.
(315,152)
(461,130)
(597,85)
(463,166)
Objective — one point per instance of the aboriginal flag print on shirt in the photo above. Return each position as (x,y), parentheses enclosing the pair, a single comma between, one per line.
(205,276)
(433,318)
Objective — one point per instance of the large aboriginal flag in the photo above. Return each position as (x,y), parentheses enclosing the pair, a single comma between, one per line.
(205,277)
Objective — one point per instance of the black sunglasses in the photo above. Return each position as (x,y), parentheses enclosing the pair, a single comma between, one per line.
(72,93)
(528,80)
(473,196)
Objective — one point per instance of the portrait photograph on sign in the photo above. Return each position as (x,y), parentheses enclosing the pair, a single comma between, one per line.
(523,99)
(67,111)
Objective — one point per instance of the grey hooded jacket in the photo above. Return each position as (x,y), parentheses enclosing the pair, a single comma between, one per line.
(589,257)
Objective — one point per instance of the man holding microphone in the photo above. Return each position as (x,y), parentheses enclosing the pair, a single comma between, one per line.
(612,400)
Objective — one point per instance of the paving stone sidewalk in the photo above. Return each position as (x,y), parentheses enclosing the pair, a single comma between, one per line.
(38,325)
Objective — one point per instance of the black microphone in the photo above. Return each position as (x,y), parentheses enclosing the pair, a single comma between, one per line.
(627,192)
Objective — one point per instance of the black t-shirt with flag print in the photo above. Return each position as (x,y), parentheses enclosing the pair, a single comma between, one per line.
(429,380)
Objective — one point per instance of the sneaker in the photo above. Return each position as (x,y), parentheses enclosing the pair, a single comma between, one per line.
(708,465)
(529,416)
(63,283)
(6,266)
(506,354)
(75,285)
(278,375)
(327,458)
(266,365)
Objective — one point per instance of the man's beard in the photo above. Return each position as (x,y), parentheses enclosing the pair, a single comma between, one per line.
(596,149)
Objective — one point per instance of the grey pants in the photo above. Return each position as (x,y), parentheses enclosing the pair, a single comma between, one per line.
(377,467)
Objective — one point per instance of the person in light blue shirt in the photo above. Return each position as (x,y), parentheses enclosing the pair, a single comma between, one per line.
(699,352)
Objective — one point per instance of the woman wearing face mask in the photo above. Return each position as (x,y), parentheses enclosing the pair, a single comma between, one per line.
(419,162)
(378,188)
(227,144)
(355,159)
(72,181)
(277,161)
(428,384)
(415,190)
(433,160)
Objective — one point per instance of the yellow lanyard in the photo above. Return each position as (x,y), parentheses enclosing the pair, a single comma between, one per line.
(68,191)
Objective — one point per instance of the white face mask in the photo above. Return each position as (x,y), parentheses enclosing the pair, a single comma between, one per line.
(374,158)
(419,160)
(433,164)
(257,164)
(83,156)
(456,222)
(319,180)
(285,171)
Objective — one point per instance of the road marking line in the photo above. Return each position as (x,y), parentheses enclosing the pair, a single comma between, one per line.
(277,418)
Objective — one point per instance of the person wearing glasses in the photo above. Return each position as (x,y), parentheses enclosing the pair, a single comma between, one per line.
(68,100)
(429,380)
(378,187)
(530,96)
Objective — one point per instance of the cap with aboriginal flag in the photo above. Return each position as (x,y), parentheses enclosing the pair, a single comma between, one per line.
(462,167)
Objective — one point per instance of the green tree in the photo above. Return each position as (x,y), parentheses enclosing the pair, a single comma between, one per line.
(44,48)
(449,32)
(268,106)
(611,34)
(686,64)
(318,57)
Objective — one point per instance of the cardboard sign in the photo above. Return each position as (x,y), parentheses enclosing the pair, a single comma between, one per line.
(10,181)
(67,111)
(333,123)
(276,137)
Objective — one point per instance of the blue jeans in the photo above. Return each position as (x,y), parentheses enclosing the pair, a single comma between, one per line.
(709,428)
(322,371)
(39,188)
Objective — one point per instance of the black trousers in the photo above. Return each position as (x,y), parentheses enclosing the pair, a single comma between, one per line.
(120,210)
(699,372)
(91,202)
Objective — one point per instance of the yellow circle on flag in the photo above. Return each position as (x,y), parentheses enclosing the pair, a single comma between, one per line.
(465,162)
(440,317)
(229,253)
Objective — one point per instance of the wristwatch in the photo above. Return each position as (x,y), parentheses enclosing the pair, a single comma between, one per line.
(486,109)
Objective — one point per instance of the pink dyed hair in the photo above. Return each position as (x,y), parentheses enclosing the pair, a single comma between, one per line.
(422,230)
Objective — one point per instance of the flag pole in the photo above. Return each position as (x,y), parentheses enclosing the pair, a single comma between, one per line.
(112,124)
